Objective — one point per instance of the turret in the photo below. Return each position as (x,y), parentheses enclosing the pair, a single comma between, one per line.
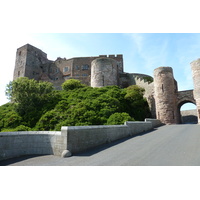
(195,66)
(165,94)
(104,72)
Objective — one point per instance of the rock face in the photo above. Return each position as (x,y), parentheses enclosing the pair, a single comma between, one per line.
(165,89)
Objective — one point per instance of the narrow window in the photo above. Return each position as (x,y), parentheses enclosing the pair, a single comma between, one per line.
(20,53)
(85,67)
(66,69)
(77,67)
(173,114)
(162,88)
(18,73)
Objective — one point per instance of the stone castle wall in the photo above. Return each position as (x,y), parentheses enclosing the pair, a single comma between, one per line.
(162,94)
(195,65)
(165,95)
(31,62)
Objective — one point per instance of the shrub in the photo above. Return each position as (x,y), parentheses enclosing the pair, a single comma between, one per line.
(72,84)
(119,118)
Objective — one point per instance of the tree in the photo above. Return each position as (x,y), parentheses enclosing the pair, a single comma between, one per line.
(30,97)
(138,106)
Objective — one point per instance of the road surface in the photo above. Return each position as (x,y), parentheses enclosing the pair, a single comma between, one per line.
(171,145)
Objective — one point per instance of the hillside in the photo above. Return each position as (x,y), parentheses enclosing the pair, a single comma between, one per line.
(37,106)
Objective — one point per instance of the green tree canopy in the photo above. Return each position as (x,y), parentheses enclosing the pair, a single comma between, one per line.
(36,105)
(29,97)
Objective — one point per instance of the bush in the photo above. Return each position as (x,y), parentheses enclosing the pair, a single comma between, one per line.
(72,84)
(18,128)
(119,118)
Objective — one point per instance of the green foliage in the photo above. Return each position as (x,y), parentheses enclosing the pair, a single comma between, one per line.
(8,117)
(72,84)
(138,106)
(148,79)
(31,98)
(18,128)
(38,106)
(119,118)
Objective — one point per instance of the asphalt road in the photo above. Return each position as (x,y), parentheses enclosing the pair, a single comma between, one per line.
(172,145)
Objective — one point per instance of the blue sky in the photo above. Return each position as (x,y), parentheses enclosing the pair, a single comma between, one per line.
(142,52)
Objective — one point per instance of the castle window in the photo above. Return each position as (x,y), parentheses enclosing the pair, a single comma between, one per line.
(66,69)
(84,74)
(18,73)
(77,67)
(162,88)
(85,67)
(20,53)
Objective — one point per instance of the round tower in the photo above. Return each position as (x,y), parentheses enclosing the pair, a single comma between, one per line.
(165,94)
(195,65)
(104,72)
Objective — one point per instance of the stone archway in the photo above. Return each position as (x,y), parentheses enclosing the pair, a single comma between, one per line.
(183,98)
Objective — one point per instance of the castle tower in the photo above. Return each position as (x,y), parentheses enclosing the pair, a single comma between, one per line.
(104,72)
(165,94)
(195,65)
(29,62)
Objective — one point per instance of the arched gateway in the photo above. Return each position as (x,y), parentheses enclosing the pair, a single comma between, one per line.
(183,98)
(168,100)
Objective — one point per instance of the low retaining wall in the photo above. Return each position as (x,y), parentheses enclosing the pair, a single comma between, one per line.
(71,139)
(81,138)
(15,144)
(155,122)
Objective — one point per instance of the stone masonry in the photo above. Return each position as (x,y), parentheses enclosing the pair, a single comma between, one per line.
(162,94)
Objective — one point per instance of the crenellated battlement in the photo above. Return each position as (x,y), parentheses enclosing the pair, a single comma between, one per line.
(112,56)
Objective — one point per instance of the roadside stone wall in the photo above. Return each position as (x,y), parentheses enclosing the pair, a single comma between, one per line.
(71,139)
(82,138)
(15,144)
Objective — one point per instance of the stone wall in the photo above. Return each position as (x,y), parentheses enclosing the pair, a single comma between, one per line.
(72,139)
(195,66)
(32,62)
(189,117)
(165,94)
(81,138)
(15,144)
(104,72)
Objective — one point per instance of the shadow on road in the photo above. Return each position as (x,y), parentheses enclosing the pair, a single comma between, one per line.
(100,148)
(18,159)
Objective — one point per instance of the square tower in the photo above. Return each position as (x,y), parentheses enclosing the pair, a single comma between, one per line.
(29,61)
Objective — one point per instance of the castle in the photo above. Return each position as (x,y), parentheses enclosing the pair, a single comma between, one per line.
(162,94)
